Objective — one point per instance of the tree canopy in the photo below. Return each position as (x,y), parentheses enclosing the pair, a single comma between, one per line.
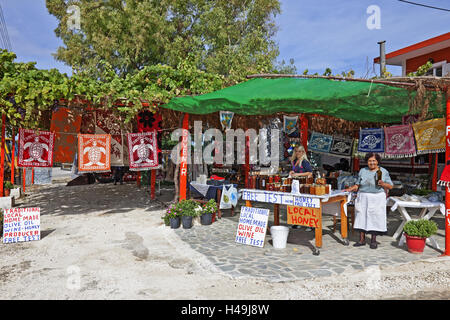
(232,38)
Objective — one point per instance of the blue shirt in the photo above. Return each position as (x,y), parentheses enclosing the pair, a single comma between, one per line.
(305,166)
(366,180)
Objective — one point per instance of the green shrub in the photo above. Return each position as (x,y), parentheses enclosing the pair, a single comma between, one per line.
(188,208)
(210,207)
(420,228)
(8,185)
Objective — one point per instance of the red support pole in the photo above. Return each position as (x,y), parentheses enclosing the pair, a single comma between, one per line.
(435,172)
(447,189)
(13,157)
(152,184)
(32,176)
(2,156)
(24,180)
(304,131)
(184,156)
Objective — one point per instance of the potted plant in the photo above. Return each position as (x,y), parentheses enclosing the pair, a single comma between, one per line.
(7,186)
(208,209)
(188,210)
(417,232)
(173,216)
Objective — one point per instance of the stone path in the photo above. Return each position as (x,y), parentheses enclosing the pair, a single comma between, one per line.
(296,261)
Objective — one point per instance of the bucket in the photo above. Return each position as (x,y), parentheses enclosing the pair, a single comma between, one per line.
(279,236)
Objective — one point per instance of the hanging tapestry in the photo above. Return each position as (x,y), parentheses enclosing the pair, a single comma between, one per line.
(148,121)
(290,124)
(399,142)
(342,146)
(430,136)
(88,122)
(226,117)
(371,140)
(94,152)
(107,123)
(66,125)
(36,148)
(410,119)
(143,151)
(355,152)
(320,142)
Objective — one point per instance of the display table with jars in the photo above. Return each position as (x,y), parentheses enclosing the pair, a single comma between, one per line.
(304,202)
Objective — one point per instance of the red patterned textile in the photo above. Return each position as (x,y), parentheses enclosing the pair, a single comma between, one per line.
(143,151)
(36,148)
(94,152)
(107,123)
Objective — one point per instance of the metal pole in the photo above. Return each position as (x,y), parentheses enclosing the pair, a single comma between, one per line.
(382,57)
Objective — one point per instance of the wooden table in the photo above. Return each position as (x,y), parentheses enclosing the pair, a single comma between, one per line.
(289,199)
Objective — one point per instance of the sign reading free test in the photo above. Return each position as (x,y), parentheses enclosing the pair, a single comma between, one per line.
(21,224)
(252,226)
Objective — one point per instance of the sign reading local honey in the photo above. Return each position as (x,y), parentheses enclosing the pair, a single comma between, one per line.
(304,216)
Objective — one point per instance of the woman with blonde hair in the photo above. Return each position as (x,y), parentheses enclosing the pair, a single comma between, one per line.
(300,168)
(300,164)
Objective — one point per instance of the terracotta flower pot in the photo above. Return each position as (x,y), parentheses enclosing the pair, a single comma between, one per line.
(415,244)
(6,192)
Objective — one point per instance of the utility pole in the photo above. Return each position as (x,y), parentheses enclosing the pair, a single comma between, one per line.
(382,58)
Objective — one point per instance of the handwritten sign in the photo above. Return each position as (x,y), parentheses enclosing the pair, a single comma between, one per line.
(304,216)
(21,224)
(252,226)
(281,198)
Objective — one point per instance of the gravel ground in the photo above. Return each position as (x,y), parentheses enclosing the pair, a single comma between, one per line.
(108,242)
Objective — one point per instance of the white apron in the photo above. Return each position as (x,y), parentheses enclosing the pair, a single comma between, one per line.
(370,212)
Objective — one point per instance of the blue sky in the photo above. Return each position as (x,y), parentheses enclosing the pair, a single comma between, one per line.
(317,33)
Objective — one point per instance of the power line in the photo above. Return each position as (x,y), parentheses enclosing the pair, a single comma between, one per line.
(424,5)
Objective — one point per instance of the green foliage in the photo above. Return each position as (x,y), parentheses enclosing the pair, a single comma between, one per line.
(36,92)
(172,212)
(166,220)
(188,208)
(230,38)
(209,207)
(420,228)
(422,70)
(8,185)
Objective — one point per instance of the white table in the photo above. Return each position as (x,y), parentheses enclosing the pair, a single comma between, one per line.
(429,208)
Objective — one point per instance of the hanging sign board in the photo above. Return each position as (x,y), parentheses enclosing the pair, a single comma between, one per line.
(252,226)
(304,216)
(21,224)
(280,198)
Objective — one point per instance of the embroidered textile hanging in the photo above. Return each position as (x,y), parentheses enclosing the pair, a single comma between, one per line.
(143,151)
(94,152)
(342,146)
(430,136)
(36,148)
(445,176)
(226,117)
(410,119)
(290,125)
(66,124)
(399,142)
(371,140)
(108,123)
(320,142)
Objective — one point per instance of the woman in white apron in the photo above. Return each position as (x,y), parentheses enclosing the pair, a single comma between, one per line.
(370,204)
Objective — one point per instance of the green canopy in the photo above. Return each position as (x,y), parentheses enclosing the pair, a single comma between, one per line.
(349,100)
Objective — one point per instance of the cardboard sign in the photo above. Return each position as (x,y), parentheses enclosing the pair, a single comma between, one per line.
(281,198)
(21,224)
(304,216)
(252,226)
